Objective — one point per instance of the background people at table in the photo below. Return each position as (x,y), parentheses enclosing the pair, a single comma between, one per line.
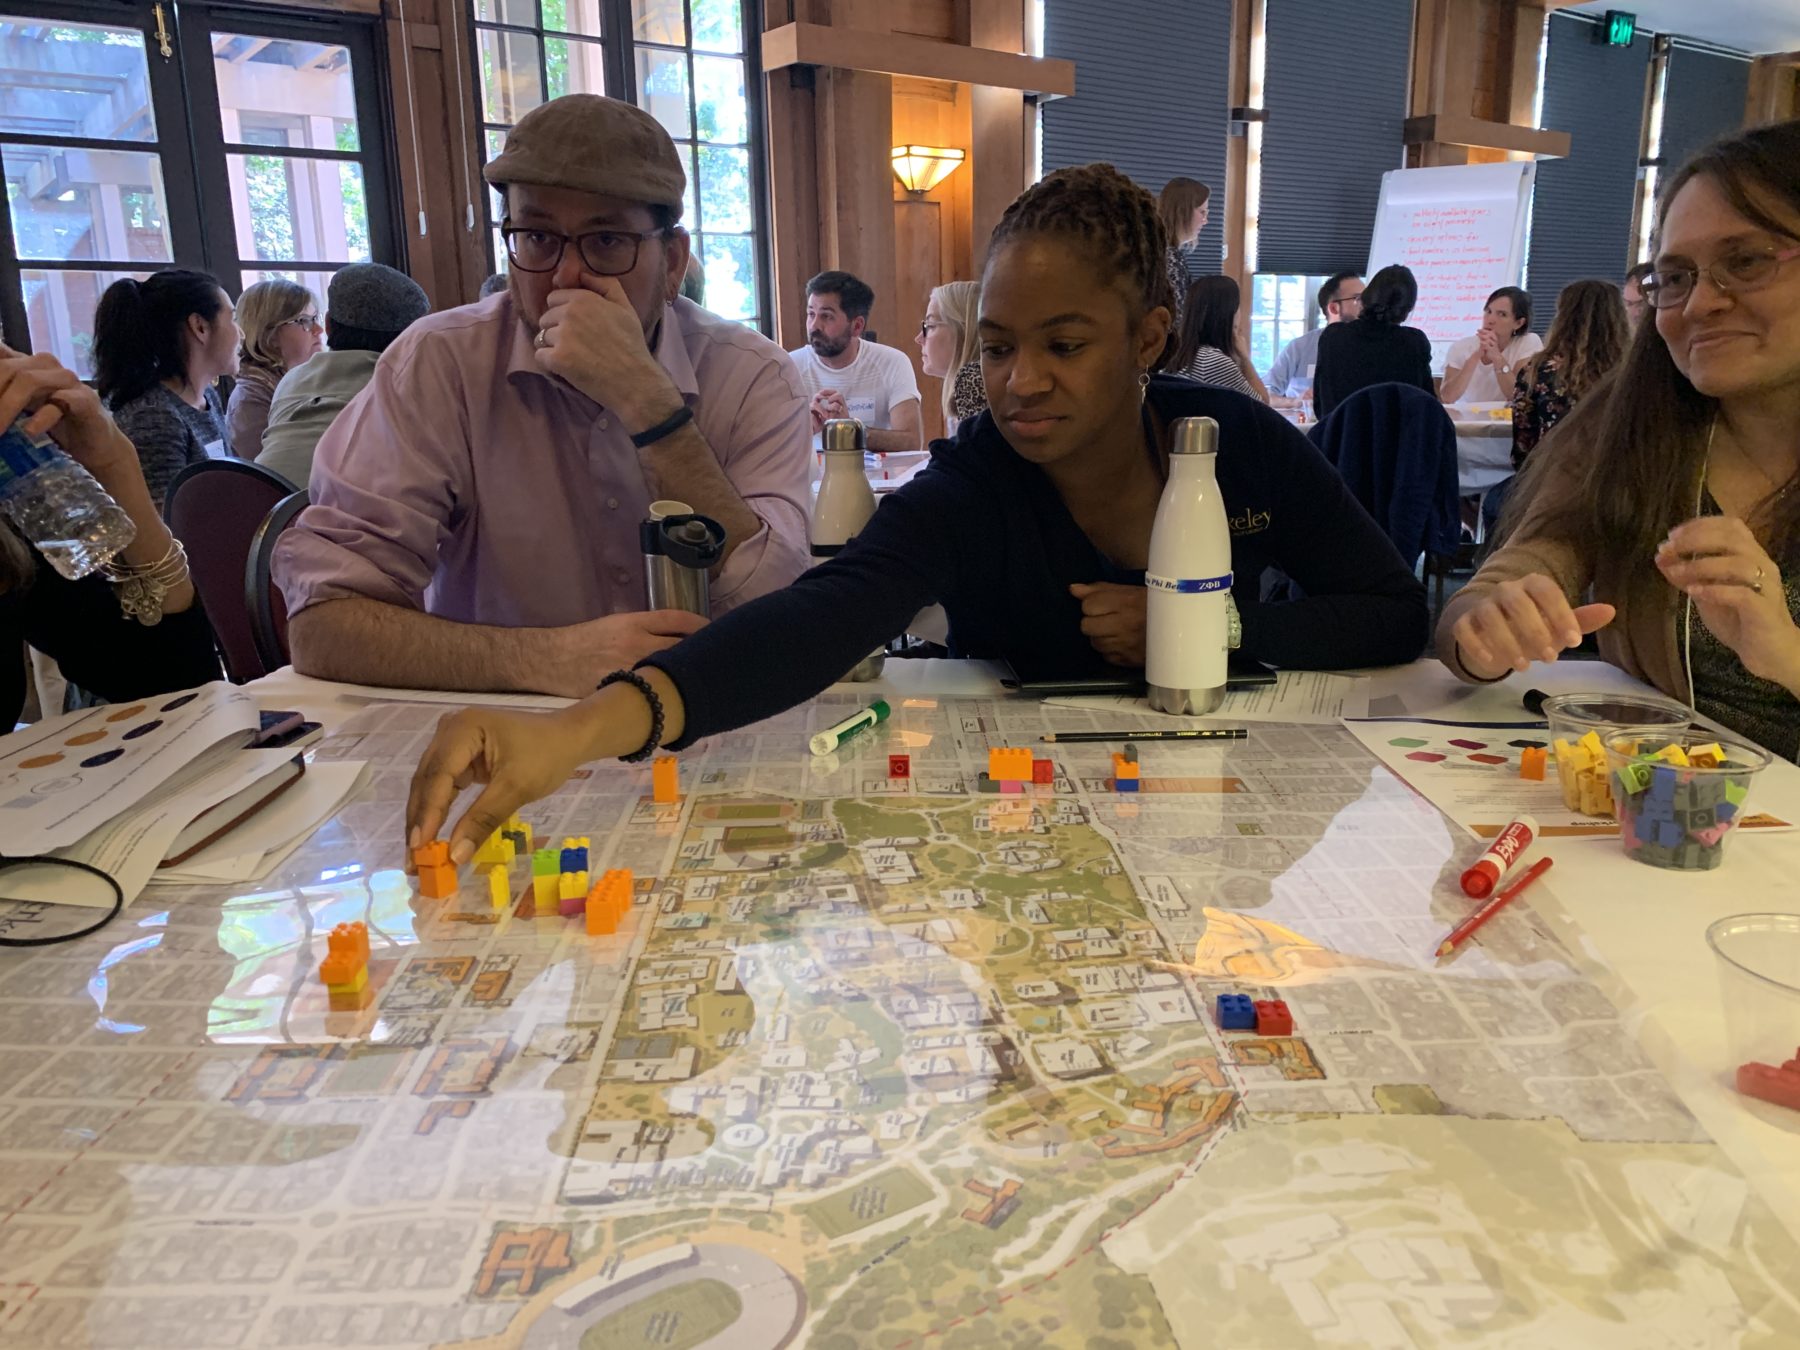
(1586,340)
(848,377)
(79,623)
(1211,347)
(160,347)
(1481,367)
(1665,511)
(368,306)
(1375,347)
(1636,307)
(950,350)
(1032,528)
(280,323)
(1291,377)
(1184,206)
(475,509)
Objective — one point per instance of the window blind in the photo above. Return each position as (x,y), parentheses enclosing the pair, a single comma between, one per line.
(1150,96)
(1581,208)
(1335,85)
(1703,99)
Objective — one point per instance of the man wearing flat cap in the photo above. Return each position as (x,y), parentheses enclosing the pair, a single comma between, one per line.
(474,511)
(367,306)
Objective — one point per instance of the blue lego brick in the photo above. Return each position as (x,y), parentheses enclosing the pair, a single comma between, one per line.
(1236,1012)
(571,860)
(1670,834)
(1125,785)
(1724,811)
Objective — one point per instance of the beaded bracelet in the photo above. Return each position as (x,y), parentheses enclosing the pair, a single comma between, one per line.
(638,682)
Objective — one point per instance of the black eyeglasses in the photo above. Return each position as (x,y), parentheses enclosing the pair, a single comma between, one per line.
(1742,269)
(605,253)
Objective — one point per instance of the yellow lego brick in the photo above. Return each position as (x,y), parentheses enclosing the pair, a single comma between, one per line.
(355,985)
(499,891)
(546,892)
(1672,754)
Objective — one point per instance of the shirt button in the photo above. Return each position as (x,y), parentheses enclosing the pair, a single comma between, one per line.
(601,424)
(612,503)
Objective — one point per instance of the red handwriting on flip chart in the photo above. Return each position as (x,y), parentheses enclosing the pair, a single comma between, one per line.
(1459,255)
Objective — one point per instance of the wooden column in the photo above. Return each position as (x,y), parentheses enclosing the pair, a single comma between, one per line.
(998,119)
(449,259)
(1774,94)
(1235,203)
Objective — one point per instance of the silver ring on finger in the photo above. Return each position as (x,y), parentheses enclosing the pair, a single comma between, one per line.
(1757,581)
(542,340)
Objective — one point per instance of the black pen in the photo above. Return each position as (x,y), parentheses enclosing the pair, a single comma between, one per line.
(1197,734)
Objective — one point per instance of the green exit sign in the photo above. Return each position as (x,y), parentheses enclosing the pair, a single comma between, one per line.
(1620,27)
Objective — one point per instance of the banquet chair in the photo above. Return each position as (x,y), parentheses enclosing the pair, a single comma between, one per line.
(262,597)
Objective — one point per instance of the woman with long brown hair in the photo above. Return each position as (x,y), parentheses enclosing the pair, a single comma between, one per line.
(1587,339)
(1184,206)
(1665,513)
(1211,350)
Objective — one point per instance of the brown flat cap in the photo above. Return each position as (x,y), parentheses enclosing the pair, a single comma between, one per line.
(589,143)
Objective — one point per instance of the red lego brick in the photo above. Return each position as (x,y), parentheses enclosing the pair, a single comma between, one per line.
(1273,1018)
(1766,1082)
(899,766)
(1043,771)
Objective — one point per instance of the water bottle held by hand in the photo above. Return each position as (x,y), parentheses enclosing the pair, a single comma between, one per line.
(58,506)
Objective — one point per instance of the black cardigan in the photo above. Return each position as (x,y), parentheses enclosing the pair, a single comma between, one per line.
(984,533)
(1362,352)
(79,623)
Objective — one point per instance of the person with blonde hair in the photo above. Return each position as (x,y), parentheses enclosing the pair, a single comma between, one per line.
(950,350)
(280,323)
(1587,339)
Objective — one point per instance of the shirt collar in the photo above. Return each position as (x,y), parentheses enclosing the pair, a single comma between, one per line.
(670,349)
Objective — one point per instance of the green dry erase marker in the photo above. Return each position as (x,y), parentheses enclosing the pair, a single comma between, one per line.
(832,737)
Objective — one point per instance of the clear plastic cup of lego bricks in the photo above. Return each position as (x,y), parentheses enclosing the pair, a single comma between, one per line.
(1758,959)
(1679,797)
(1578,725)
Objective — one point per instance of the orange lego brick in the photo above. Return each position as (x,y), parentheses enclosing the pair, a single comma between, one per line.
(346,955)
(1007,765)
(1124,768)
(436,882)
(1532,764)
(665,779)
(434,854)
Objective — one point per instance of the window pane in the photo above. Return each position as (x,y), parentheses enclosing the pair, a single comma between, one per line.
(663,90)
(575,67)
(59,309)
(287,207)
(73,204)
(273,91)
(724,188)
(730,266)
(719,102)
(524,13)
(74,79)
(659,21)
(573,16)
(690,190)
(718,26)
(316,282)
(510,84)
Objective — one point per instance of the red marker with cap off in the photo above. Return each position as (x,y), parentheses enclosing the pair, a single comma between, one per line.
(1479,881)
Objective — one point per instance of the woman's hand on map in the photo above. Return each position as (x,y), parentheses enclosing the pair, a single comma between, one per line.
(520,757)
(1518,622)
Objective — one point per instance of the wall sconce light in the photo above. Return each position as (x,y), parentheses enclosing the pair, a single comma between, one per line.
(920,168)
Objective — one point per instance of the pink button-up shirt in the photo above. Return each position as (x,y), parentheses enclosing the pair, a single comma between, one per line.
(467,482)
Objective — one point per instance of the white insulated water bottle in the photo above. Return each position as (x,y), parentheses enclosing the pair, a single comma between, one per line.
(1189,578)
(845,501)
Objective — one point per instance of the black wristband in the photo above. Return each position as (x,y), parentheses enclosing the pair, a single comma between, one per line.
(638,682)
(671,424)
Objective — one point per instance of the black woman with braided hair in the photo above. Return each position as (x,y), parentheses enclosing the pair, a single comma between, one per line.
(1031,528)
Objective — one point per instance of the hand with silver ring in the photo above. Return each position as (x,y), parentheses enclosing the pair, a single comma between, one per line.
(1736,587)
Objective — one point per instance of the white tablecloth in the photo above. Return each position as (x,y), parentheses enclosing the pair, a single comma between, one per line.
(1483,446)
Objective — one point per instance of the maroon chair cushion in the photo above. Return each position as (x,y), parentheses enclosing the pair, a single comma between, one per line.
(214,509)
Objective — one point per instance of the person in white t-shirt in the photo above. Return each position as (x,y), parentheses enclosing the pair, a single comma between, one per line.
(1480,368)
(848,377)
